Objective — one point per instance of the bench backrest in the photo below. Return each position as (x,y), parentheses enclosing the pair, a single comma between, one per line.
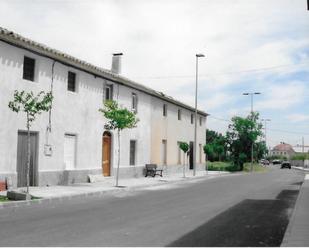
(151,166)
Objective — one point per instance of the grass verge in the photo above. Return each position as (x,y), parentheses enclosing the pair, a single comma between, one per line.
(256,167)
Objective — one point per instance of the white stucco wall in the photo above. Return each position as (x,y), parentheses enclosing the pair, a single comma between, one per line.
(72,112)
(77,113)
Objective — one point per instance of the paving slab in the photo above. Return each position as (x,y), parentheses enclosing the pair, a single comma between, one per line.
(297,233)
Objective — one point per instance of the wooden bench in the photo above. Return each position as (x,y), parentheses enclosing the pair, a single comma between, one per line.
(151,169)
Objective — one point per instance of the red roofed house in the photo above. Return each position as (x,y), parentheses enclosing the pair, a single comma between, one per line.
(283,149)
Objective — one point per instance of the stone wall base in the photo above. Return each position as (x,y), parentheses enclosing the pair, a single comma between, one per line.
(67,177)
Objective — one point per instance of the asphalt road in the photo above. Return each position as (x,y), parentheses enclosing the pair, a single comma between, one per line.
(234,210)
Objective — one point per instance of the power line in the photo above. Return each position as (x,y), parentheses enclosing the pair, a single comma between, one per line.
(292,132)
(254,70)
(221,119)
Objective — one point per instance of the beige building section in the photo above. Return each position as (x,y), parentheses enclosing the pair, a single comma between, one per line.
(171,130)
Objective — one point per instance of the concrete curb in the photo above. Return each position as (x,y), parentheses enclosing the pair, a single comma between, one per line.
(287,234)
(300,168)
(50,200)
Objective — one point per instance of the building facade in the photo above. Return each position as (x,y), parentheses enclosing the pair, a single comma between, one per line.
(70,142)
(283,150)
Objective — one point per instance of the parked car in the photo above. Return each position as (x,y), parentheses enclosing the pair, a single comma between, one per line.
(285,164)
(276,161)
(264,162)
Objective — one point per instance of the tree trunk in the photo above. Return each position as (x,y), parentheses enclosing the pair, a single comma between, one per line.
(28,153)
(117,174)
(184,164)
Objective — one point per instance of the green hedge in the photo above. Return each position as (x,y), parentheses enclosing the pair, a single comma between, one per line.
(222,166)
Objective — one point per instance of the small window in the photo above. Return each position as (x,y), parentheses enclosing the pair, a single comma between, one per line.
(134,102)
(164,110)
(132,152)
(179,114)
(192,118)
(201,121)
(29,66)
(71,82)
(108,92)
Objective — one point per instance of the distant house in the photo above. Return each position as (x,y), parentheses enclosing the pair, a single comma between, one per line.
(283,149)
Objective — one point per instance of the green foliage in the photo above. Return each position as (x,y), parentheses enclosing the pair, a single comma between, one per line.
(274,157)
(118,118)
(240,135)
(256,167)
(222,166)
(260,150)
(3,198)
(300,156)
(31,104)
(184,146)
(215,147)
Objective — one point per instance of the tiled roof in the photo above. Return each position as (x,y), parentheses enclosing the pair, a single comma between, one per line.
(283,147)
(25,43)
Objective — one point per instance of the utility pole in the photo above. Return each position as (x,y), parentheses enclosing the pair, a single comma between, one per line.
(265,120)
(195,121)
(251,94)
(303,145)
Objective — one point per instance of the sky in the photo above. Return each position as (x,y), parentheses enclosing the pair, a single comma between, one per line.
(249,46)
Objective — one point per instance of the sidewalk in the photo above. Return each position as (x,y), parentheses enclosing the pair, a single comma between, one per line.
(297,233)
(106,185)
(301,168)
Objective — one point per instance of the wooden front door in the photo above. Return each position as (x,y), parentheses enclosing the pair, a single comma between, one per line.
(106,151)
(22,145)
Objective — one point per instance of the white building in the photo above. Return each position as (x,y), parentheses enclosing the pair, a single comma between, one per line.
(77,143)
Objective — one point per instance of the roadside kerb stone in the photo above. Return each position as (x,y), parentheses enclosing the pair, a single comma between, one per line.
(291,238)
(111,190)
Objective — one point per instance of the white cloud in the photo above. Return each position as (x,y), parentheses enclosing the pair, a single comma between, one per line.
(280,97)
(297,117)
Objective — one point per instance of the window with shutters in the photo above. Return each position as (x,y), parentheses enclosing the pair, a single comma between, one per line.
(108,92)
(132,152)
(28,69)
(134,102)
(71,81)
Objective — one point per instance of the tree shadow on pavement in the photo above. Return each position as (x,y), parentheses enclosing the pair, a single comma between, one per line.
(250,223)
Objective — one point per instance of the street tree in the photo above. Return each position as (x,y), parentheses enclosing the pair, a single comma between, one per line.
(216,146)
(242,132)
(119,118)
(185,148)
(32,105)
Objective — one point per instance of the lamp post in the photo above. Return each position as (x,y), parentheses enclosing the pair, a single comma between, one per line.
(265,120)
(251,94)
(195,120)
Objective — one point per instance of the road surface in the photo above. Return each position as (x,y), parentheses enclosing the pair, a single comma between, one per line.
(233,210)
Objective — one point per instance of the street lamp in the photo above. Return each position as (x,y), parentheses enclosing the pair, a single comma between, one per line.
(265,120)
(251,94)
(195,121)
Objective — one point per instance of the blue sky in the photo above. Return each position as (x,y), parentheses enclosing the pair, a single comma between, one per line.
(256,45)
